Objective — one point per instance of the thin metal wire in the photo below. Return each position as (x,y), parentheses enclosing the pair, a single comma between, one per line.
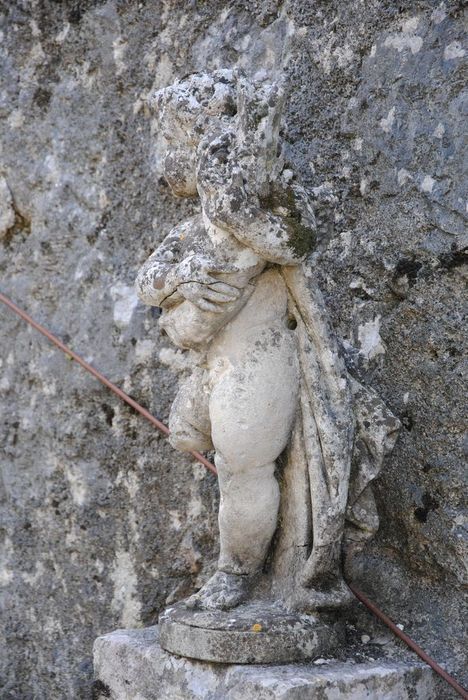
(165,430)
(412,645)
(110,385)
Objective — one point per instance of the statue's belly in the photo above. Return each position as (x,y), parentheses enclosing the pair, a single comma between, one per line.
(259,329)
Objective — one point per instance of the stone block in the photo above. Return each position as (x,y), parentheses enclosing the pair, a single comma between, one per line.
(130,665)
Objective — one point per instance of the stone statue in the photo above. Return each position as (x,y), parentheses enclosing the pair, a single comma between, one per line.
(297,439)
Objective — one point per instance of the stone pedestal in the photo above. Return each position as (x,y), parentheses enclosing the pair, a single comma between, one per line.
(257,632)
(130,665)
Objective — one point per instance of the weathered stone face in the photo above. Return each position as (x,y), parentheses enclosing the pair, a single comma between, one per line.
(130,663)
(101,519)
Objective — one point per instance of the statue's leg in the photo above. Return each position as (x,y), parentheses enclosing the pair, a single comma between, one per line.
(252,409)
(189,420)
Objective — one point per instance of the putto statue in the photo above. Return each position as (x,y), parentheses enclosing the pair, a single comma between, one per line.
(297,439)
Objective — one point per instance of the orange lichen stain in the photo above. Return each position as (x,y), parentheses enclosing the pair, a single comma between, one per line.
(256,627)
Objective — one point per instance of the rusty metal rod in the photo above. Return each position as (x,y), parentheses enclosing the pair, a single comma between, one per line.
(412,645)
(165,430)
(110,385)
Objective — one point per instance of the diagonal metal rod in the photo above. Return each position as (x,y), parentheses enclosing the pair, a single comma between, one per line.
(412,645)
(165,430)
(110,385)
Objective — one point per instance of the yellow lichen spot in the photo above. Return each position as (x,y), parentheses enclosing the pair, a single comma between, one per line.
(256,627)
(181,237)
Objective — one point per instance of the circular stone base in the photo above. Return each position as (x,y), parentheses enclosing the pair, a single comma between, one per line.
(255,633)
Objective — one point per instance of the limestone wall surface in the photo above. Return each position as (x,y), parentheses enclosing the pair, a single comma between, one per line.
(101,521)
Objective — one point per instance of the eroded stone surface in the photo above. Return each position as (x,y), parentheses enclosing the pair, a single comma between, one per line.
(130,665)
(86,484)
(252,633)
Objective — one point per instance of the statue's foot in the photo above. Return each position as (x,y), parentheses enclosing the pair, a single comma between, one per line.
(332,597)
(223,591)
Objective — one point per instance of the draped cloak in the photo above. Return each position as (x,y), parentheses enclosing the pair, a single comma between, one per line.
(342,433)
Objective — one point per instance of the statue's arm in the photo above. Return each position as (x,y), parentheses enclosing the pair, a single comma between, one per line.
(165,279)
(157,280)
(277,238)
(279,228)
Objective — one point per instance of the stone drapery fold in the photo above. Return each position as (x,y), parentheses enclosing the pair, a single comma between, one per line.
(346,430)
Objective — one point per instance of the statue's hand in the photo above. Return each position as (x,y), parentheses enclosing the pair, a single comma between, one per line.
(209,297)
(196,281)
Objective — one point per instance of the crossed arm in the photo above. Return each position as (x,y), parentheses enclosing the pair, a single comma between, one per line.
(280,229)
(172,274)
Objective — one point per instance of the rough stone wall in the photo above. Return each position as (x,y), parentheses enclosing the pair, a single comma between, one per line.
(100,520)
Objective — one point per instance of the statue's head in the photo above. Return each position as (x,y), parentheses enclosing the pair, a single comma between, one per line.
(187,110)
